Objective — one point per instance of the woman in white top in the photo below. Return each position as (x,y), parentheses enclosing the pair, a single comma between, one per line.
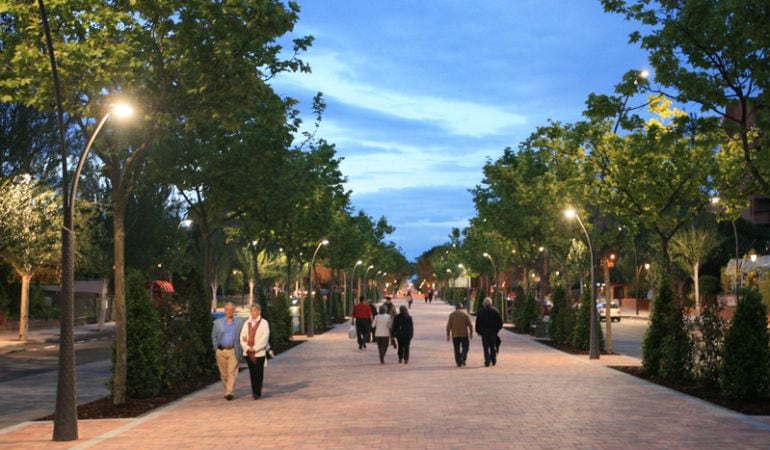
(255,335)
(382,324)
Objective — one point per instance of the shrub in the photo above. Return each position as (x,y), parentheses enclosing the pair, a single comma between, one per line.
(526,313)
(746,356)
(319,324)
(581,330)
(186,324)
(145,370)
(561,315)
(708,341)
(667,349)
(276,312)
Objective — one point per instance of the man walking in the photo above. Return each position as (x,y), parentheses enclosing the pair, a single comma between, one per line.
(227,347)
(362,319)
(488,324)
(460,329)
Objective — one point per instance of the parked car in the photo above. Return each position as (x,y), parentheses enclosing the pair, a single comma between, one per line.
(615,310)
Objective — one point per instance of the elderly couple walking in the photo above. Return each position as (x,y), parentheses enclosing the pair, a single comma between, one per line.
(234,340)
(460,329)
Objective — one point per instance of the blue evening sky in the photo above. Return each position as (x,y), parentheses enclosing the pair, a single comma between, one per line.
(421,94)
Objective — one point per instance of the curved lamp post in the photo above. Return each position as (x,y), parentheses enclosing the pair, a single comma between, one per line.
(570,213)
(65,390)
(310,325)
(366,282)
(352,277)
(497,283)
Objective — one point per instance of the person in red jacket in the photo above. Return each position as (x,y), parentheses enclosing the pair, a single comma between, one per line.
(362,319)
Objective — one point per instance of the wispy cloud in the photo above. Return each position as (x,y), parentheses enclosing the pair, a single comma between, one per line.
(339,79)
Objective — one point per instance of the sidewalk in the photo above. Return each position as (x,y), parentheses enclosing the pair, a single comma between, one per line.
(328,394)
(9,339)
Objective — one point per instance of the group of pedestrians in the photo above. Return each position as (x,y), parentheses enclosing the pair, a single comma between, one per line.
(387,327)
(235,339)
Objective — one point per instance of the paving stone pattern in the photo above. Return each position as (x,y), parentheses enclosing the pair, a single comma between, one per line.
(327,394)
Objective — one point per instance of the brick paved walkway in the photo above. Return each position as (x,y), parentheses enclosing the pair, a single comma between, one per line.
(328,394)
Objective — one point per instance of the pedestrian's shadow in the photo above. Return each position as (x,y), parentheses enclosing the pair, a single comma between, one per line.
(283,389)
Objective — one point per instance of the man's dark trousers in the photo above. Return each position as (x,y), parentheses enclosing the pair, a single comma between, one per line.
(461,349)
(489,343)
(363,331)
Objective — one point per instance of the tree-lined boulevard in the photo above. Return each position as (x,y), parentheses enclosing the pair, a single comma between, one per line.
(146,148)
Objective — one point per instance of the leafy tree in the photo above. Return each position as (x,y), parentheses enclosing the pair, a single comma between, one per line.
(30,225)
(171,61)
(746,355)
(28,142)
(714,53)
(690,248)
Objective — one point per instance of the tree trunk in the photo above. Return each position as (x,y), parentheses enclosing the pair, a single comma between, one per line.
(256,275)
(251,291)
(24,310)
(121,351)
(214,288)
(696,277)
(208,266)
(103,303)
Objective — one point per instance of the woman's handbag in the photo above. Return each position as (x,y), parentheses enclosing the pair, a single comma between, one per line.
(352,332)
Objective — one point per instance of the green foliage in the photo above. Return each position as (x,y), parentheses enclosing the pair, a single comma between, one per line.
(708,343)
(526,312)
(146,353)
(337,306)
(186,325)
(745,367)
(562,316)
(319,322)
(276,312)
(710,52)
(667,350)
(581,331)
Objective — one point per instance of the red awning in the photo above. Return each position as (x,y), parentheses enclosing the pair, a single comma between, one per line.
(160,287)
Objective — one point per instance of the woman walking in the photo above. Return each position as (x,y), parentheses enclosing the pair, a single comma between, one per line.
(403,330)
(382,331)
(255,335)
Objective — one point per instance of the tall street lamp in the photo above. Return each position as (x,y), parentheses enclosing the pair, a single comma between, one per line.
(497,285)
(450,285)
(366,282)
(310,325)
(594,336)
(65,414)
(352,277)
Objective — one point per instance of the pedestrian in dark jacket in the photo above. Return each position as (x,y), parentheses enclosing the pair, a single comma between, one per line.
(403,331)
(488,324)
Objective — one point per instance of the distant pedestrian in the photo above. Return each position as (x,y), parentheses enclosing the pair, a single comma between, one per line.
(227,347)
(430,295)
(460,329)
(488,324)
(403,331)
(409,300)
(382,331)
(391,307)
(362,319)
(255,338)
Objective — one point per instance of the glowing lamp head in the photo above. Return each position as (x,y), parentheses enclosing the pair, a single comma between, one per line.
(122,110)
(570,213)
(644,74)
